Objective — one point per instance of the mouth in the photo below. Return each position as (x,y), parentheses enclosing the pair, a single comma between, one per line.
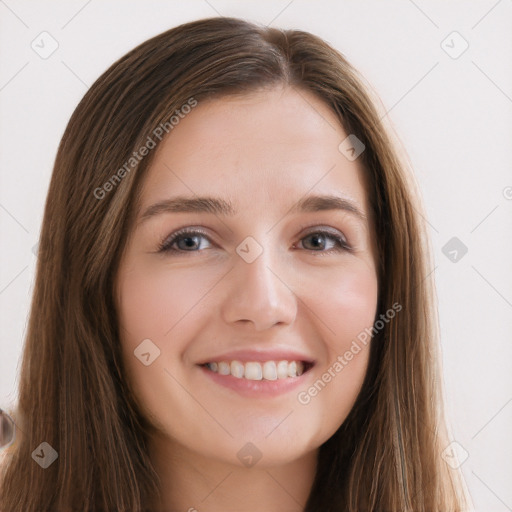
(260,370)
(258,379)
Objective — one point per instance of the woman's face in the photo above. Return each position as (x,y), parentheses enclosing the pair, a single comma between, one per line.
(263,276)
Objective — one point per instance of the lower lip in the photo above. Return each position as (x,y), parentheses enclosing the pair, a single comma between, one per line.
(257,388)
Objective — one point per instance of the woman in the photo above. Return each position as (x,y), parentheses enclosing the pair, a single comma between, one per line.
(284,357)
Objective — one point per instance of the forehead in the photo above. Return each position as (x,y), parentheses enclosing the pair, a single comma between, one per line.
(272,147)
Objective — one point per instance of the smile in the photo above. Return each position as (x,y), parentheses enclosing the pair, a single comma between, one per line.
(258,379)
(254,370)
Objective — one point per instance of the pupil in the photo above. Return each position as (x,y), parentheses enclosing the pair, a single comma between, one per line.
(189,241)
(317,240)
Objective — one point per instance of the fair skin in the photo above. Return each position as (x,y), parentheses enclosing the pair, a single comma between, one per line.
(263,153)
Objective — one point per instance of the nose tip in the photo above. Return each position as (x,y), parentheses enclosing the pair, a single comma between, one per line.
(258,294)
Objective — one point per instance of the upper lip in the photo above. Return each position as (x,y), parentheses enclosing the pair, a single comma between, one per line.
(248,355)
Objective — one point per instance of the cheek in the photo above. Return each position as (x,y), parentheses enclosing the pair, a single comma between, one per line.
(154,302)
(346,304)
(161,305)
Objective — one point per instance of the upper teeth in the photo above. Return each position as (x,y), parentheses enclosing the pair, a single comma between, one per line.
(270,370)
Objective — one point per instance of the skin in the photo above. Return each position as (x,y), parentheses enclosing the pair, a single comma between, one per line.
(263,152)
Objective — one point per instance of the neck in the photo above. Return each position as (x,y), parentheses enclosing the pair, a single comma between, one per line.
(191,482)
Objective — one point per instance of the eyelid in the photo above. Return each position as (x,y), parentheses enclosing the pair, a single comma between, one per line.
(322,227)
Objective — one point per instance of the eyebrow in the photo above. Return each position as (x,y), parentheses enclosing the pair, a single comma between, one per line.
(218,206)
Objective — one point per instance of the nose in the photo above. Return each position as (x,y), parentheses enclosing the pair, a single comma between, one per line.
(259,293)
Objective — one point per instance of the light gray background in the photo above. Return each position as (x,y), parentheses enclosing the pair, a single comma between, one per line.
(453,116)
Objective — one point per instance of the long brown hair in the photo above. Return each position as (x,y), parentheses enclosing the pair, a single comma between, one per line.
(72,391)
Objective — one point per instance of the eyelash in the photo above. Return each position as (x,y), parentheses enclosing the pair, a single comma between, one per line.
(166,243)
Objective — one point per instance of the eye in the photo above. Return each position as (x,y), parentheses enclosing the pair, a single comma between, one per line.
(189,240)
(190,237)
(325,241)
